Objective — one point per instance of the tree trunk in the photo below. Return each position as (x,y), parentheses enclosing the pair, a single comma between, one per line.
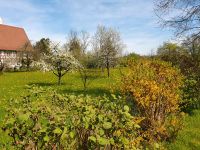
(85,82)
(108,69)
(59,80)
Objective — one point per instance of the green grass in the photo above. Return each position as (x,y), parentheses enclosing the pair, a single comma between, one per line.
(13,85)
(189,137)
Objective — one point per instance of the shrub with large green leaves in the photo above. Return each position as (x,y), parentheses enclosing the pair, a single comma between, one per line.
(47,120)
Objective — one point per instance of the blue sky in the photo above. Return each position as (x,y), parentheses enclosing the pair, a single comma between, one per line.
(135,20)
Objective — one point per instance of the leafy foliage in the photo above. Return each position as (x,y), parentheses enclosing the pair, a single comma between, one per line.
(123,62)
(46,120)
(41,47)
(154,88)
(74,45)
(172,52)
(186,58)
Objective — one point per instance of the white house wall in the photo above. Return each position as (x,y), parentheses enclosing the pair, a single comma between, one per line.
(9,57)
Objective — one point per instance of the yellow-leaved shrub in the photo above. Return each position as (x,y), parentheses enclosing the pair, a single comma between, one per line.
(153,87)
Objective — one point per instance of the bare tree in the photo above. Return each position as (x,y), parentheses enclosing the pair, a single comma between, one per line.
(85,41)
(192,45)
(108,46)
(182,15)
(77,44)
(73,45)
(26,55)
(87,75)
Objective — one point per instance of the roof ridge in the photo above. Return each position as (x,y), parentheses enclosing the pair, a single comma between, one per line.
(11,26)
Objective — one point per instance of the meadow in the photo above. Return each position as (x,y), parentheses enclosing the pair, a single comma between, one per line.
(14,85)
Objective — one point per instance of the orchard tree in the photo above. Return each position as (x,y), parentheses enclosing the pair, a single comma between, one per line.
(108,46)
(87,75)
(60,62)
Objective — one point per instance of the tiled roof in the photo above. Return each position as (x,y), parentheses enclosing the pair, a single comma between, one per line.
(12,38)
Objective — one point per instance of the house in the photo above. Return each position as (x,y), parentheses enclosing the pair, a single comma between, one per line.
(13,41)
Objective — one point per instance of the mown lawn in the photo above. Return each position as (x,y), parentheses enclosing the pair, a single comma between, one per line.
(13,85)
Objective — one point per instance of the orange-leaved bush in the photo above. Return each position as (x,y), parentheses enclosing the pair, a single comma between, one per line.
(154,88)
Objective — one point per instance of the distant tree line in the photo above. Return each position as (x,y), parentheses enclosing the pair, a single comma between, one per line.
(102,50)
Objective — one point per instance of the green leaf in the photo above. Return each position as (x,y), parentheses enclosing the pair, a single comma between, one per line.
(112,141)
(101,132)
(156,145)
(126,108)
(57,131)
(92,138)
(136,126)
(72,134)
(86,125)
(46,138)
(114,96)
(118,133)
(100,117)
(43,130)
(125,140)
(103,141)
(10,121)
(24,117)
(107,125)
(63,136)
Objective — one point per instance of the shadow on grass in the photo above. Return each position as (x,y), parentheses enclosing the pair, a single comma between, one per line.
(91,92)
(43,84)
(76,91)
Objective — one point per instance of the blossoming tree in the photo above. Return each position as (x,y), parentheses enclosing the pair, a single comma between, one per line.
(59,62)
